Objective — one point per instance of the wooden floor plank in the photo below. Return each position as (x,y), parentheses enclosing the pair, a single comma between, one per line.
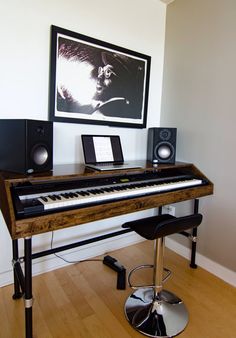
(81,300)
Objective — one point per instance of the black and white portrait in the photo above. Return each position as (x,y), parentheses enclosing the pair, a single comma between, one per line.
(97,83)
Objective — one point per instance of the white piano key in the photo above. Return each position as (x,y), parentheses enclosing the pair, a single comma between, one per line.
(113,195)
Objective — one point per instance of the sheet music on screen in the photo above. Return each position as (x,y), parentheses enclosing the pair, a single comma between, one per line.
(103,149)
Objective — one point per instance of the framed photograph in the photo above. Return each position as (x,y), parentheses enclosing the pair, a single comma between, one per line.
(96,82)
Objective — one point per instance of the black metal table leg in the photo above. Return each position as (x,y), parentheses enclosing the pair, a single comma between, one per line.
(28,288)
(15,255)
(194,238)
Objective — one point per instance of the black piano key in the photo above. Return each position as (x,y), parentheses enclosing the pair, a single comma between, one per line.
(72,195)
(65,195)
(83,193)
(52,197)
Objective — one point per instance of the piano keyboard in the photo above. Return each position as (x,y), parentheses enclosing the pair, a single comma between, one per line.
(86,196)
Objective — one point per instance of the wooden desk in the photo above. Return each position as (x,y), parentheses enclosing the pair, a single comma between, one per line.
(27,227)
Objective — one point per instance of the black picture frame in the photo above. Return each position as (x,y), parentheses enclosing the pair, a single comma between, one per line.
(95,82)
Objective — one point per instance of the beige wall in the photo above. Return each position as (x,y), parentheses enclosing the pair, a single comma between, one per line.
(199,95)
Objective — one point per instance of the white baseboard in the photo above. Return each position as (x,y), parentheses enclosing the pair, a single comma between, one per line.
(216,269)
(99,248)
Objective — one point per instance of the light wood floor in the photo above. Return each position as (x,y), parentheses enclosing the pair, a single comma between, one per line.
(81,301)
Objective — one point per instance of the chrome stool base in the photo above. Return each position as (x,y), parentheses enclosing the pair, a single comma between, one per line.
(165,316)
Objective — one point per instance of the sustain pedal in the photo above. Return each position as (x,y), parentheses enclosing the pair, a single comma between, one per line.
(120,269)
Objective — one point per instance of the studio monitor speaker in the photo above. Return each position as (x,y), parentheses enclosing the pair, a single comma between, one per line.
(161,146)
(26,146)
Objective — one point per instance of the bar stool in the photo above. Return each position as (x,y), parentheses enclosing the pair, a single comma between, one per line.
(150,309)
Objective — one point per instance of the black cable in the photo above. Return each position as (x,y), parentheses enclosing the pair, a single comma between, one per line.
(108,260)
(73,262)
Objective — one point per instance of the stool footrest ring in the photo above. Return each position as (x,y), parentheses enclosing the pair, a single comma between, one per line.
(146,266)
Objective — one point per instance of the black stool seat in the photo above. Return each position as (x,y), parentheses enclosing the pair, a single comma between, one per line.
(163,225)
(150,309)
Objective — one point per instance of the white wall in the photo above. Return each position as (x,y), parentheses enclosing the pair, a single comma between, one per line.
(199,99)
(24,69)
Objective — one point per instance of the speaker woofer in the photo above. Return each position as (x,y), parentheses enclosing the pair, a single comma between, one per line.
(164,151)
(40,154)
